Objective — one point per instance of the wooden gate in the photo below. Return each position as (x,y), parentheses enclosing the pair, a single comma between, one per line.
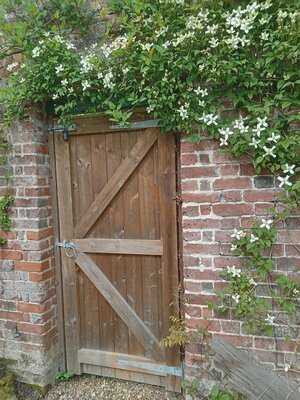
(116,192)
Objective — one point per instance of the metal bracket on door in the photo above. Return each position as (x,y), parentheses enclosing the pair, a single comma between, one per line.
(69,247)
(65,130)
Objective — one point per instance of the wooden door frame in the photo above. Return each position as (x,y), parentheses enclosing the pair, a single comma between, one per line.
(139,116)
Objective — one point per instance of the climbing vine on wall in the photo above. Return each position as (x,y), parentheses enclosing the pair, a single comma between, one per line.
(228,70)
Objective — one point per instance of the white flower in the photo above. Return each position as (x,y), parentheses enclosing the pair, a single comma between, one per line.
(295,292)
(238,234)
(233,247)
(147,46)
(289,169)
(284,181)
(266,223)
(265,36)
(108,80)
(269,151)
(183,111)
(254,143)
(239,123)
(125,70)
(214,42)
(212,29)
(270,319)
(201,92)
(71,90)
(236,298)
(22,80)
(12,66)
(262,122)
(36,52)
(274,138)
(236,273)
(252,282)
(55,96)
(64,82)
(286,367)
(166,44)
(224,141)
(253,238)
(225,132)
(86,64)
(209,119)
(85,85)
(59,68)
(201,103)
(70,46)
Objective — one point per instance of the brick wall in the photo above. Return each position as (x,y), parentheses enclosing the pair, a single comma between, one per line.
(28,332)
(219,194)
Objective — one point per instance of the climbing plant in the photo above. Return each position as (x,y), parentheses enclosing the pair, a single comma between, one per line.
(227,70)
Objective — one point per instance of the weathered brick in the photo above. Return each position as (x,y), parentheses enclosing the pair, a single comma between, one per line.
(232,183)
(264,182)
(233,209)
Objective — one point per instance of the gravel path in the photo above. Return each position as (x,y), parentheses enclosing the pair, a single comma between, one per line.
(96,388)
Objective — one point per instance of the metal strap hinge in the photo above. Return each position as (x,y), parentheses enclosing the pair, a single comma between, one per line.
(65,130)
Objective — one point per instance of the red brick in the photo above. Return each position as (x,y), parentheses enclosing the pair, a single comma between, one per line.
(201,197)
(32,266)
(260,195)
(187,159)
(32,308)
(193,311)
(37,192)
(229,170)
(239,341)
(207,223)
(190,211)
(205,275)
(232,209)
(192,236)
(232,196)
(188,186)
(43,276)
(247,169)
(187,147)
(210,249)
(40,234)
(205,209)
(232,183)
(264,343)
(197,172)
(10,254)
(11,315)
(35,149)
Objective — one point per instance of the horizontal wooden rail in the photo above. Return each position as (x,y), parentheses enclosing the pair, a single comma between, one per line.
(126,362)
(120,246)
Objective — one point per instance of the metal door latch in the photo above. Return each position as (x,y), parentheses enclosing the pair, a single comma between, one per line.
(69,247)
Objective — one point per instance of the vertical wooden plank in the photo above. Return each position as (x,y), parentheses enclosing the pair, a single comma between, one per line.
(132,266)
(149,229)
(71,317)
(90,313)
(57,258)
(132,230)
(116,213)
(168,223)
(99,179)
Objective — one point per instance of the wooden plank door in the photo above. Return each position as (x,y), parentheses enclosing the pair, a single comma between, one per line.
(117,215)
